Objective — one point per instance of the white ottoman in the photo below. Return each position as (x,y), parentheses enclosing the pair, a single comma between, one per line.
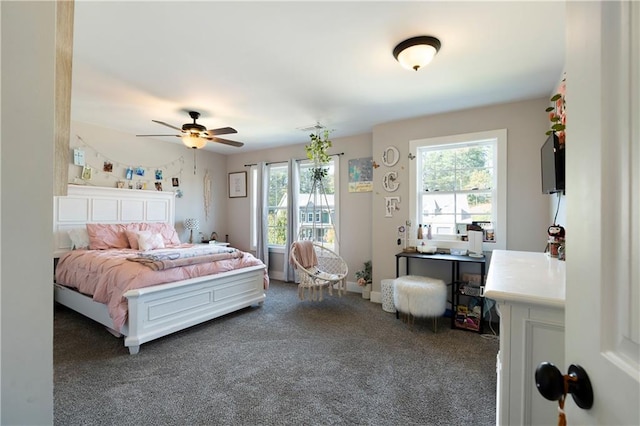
(418,296)
(387,295)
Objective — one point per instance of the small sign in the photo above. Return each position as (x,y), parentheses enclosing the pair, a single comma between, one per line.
(78,157)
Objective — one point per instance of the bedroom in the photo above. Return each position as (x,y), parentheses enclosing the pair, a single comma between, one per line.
(381,136)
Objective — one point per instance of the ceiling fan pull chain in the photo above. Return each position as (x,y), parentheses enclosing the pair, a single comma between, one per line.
(194,161)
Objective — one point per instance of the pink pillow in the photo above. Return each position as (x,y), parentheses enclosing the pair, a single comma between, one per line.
(132,237)
(168,232)
(131,232)
(148,240)
(104,236)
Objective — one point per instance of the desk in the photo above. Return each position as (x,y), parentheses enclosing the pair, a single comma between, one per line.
(457,288)
(454,259)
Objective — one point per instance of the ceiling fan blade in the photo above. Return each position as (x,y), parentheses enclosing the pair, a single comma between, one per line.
(226,142)
(221,131)
(158,135)
(168,125)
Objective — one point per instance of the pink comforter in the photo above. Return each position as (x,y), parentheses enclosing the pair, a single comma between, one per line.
(107,274)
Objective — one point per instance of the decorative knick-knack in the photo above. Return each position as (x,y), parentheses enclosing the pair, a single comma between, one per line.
(429,232)
(420,236)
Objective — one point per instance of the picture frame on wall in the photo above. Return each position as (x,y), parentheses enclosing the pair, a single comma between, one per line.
(237,184)
(87,172)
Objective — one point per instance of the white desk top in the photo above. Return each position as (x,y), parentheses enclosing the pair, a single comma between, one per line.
(526,277)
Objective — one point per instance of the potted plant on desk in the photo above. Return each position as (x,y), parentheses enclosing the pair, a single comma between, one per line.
(364,279)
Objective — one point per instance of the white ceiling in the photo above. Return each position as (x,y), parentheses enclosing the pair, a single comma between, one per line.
(270,68)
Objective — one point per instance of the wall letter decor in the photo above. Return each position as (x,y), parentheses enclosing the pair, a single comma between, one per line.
(390,156)
(389,181)
(391,204)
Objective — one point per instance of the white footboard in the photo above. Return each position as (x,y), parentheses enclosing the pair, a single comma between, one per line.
(164,309)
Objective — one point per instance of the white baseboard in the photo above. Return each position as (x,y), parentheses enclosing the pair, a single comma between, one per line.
(277,275)
(376,296)
(351,286)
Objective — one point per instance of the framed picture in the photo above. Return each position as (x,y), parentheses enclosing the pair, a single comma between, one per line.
(86,173)
(237,184)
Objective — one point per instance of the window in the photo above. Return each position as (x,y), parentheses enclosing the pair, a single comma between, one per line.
(317,213)
(319,206)
(277,204)
(458,181)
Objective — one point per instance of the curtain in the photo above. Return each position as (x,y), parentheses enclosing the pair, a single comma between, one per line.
(262,205)
(335,218)
(293,213)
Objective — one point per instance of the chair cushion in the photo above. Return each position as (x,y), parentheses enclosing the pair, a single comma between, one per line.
(324,275)
(420,296)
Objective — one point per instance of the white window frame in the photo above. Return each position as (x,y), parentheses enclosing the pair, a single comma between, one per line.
(499,192)
(335,218)
(270,167)
(254,204)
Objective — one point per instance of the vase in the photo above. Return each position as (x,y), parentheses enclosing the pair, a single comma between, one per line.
(366,291)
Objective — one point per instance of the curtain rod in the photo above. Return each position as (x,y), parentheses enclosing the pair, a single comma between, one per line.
(297,159)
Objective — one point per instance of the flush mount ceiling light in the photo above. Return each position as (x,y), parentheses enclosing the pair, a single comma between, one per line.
(416,52)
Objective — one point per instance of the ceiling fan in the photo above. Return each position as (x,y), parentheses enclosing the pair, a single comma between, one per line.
(195,135)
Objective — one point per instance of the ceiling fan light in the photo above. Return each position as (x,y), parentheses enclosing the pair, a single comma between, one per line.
(192,140)
(416,52)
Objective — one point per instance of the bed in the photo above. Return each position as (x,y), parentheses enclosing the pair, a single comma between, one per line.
(157,310)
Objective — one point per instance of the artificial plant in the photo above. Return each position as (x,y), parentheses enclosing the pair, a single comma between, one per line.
(364,276)
(557,113)
(317,152)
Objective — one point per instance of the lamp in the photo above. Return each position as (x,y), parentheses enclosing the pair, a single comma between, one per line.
(416,52)
(191,224)
(193,140)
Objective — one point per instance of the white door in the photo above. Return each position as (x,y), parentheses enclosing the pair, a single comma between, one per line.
(603,208)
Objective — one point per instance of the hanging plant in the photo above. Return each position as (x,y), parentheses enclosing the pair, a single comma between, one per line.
(319,173)
(317,149)
(317,152)
(557,114)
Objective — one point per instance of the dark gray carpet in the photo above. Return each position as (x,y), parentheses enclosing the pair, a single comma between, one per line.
(340,361)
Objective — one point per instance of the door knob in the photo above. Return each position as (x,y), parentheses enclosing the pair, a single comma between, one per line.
(553,385)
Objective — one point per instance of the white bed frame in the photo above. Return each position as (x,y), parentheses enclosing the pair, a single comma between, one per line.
(158,310)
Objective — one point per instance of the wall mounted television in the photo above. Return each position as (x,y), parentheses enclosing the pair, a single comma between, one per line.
(552,165)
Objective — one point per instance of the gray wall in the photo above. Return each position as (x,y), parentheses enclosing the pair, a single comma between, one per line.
(355,208)
(368,234)
(26,144)
(175,160)
(527,207)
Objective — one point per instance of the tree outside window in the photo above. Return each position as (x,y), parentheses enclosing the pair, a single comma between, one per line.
(457,183)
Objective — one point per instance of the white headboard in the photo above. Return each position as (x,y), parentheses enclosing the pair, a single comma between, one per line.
(94,204)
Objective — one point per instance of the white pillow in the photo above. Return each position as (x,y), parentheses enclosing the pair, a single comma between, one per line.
(79,238)
(323,275)
(149,241)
